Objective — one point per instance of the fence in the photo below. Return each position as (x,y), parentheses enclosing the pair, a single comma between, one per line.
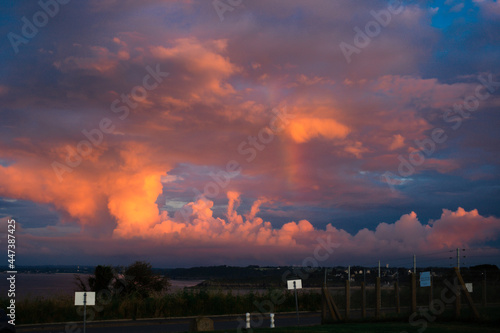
(398,293)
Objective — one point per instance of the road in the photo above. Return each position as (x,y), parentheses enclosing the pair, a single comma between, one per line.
(225,322)
(230,323)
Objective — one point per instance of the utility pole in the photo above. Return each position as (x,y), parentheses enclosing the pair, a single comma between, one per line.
(377,293)
(414,264)
(458,258)
(484,290)
(348,293)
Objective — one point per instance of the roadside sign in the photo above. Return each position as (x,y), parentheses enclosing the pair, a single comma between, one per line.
(298,284)
(84,298)
(425,279)
(79,296)
(294,285)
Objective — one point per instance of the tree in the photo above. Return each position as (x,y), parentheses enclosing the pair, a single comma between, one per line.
(102,279)
(141,280)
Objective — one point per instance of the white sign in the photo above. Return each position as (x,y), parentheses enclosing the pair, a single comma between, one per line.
(425,279)
(469,287)
(79,297)
(298,284)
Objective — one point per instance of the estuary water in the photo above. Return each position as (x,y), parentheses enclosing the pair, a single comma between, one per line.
(59,284)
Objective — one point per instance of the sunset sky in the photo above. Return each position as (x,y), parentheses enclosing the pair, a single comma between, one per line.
(250,131)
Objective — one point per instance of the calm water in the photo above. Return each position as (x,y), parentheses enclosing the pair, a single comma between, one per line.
(59,284)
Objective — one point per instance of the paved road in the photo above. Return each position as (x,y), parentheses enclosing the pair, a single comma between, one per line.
(230,323)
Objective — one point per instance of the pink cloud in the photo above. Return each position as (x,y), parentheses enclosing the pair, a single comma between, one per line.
(237,237)
(462,228)
(204,60)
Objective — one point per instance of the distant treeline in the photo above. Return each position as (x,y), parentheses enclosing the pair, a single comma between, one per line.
(52,269)
(275,277)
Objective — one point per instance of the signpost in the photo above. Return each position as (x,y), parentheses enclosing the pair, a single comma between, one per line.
(295,284)
(84,298)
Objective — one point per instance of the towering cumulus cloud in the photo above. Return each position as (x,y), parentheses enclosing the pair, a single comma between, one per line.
(251,234)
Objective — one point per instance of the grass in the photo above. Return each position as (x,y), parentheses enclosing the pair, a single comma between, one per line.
(189,302)
(183,303)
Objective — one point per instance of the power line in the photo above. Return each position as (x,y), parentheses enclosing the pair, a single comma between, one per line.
(429,257)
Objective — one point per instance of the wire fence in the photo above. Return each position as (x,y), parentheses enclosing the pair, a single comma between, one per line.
(409,286)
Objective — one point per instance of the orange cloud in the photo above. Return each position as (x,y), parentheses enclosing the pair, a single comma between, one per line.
(398,142)
(195,222)
(76,197)
(123,190)
(304,129)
